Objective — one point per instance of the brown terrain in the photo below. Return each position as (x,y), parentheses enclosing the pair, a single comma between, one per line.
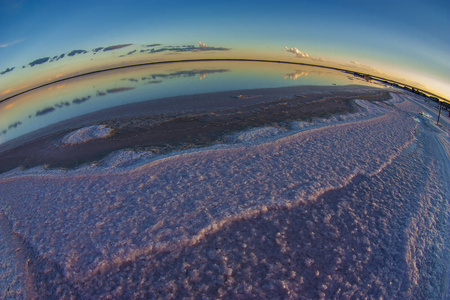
(183,122)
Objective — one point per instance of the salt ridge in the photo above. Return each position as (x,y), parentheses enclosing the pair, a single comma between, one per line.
(171,203)
(288,145)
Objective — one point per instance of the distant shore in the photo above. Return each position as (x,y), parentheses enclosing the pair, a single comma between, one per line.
(363,75)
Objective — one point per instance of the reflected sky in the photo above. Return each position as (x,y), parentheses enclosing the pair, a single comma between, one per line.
(79,96)
(405,42)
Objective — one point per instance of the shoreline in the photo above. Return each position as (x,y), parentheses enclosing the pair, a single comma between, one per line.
(391,82)
(183,122)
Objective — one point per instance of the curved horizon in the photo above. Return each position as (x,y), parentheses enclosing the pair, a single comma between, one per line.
(148,63)
(67,97)
(408,44)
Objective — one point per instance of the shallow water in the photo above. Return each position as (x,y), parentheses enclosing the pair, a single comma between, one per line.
(71,98)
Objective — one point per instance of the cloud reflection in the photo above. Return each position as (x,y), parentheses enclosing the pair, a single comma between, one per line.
(296,75)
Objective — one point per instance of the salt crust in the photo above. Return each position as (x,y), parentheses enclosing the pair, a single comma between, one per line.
(86,134)
(135,206)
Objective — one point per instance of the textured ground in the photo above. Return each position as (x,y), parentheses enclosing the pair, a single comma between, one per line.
(352,206)
(86,134)
(183,122)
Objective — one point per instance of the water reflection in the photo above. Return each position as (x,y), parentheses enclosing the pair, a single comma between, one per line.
(79,96)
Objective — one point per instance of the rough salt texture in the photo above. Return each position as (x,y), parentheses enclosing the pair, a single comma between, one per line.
(351,207)
(255,135)
(86,134)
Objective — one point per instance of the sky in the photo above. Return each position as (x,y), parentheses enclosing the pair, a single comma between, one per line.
(404,39)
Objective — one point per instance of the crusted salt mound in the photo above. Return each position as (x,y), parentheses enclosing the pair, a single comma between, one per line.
(255,135)
(367,110)
(88,133)
(127,158)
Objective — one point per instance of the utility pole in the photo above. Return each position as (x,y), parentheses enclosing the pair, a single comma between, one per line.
(439,115)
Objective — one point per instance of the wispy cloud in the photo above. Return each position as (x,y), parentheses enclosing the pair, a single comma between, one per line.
(11,43)
(363,66)
(301,54)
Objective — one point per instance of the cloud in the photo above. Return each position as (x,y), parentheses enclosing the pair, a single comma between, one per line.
(297,52)
(39,61)
(186,48)
(11,43)
(363,66)
(7,70)
(114,47)
(152,45)
(75,52)
(204,47)
(301,54)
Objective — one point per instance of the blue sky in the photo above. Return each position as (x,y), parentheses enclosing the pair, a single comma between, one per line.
(411,35)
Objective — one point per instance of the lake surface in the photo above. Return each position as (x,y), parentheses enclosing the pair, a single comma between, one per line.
(75,97)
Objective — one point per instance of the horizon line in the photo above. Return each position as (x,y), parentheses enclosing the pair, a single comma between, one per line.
(379,78)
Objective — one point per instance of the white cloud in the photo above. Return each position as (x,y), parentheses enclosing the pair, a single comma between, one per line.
(202,45)
(297,52)
(11,43)
(363,66)
(301,54)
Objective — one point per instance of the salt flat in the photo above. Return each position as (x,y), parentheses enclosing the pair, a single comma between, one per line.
(344,207)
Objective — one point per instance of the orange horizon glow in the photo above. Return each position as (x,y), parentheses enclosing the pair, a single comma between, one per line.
(83,66)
